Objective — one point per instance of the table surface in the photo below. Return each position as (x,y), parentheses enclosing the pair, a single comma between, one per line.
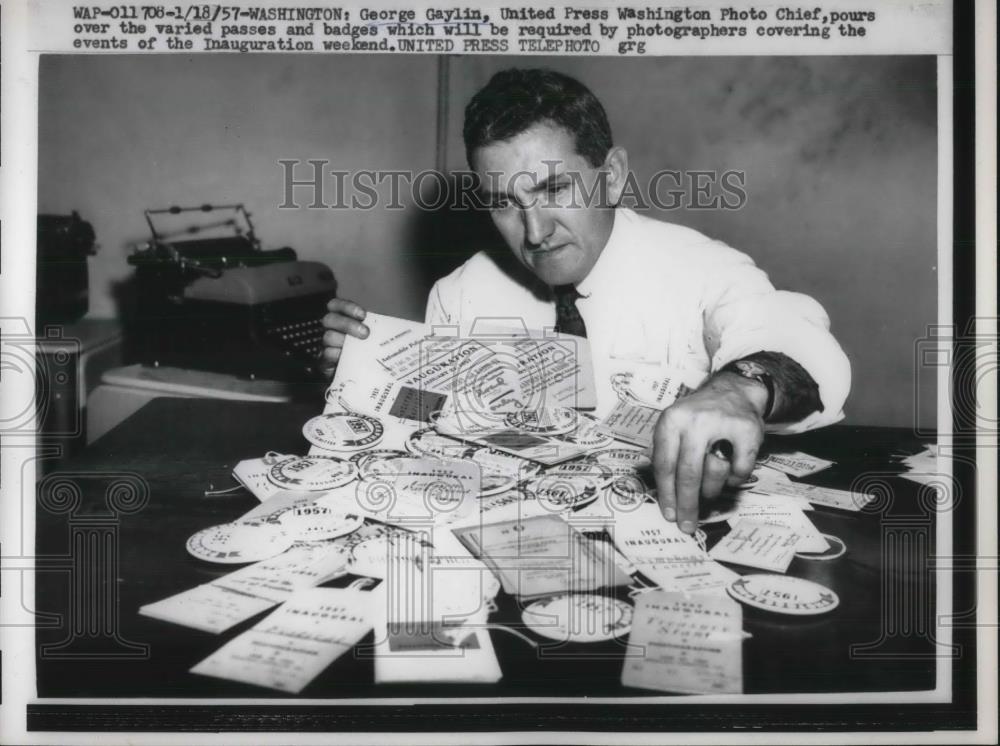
(97,645)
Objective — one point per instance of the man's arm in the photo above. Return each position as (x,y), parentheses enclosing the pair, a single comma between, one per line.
(709,439)
(792,394)
(776,365)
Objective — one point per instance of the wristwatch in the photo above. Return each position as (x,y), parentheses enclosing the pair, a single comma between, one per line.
(750,369)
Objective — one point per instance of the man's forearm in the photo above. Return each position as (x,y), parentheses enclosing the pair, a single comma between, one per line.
(792,394)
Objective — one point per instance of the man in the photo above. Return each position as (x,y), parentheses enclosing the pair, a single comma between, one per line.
(655,300)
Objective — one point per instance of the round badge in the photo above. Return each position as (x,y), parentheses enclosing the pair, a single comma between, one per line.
(428,442)
(569,485)
(493,483)
(579,617)
(377,462)
(597,472)
(589,433)
(312,473)
(631,489)
(312,522)
(236,543)
(627,494)
(340,431)
(555,421)
(622,461)
(783,594)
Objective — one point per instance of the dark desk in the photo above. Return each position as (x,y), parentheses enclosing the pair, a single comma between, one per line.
(112,524)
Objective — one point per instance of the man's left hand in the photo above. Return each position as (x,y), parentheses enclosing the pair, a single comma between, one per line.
(686,461)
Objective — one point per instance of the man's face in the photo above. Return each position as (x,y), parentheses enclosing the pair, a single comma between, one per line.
(533,184)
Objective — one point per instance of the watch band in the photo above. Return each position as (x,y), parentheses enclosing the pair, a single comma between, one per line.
(755,371)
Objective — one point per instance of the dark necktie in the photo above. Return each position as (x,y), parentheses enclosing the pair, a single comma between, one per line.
(568,318)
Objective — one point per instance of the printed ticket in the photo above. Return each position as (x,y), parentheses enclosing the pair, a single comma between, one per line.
(796,463)
(404,653)
(234,598)
(293,645)
(755,544)
(405,371)
(685,644)
(428,489)
(209,608)
(781,512)
(542,555)
(666,555)
(632,423)
(826,496)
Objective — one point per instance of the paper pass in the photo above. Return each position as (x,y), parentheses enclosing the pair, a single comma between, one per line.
(290,647)
(796,463)
(542,555)
(209,608)
(756,544)
(632,423)
(684,644)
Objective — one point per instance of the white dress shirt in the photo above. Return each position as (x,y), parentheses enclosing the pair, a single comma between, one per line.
(660,299)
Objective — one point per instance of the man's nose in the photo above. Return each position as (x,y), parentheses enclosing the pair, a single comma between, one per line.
(538,225)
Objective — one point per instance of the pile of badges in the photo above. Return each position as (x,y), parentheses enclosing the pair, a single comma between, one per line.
(434,518)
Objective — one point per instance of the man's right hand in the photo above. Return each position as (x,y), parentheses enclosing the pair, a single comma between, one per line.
(344,318)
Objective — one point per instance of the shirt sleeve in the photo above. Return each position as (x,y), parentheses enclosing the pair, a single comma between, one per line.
(744,314)
(441,304)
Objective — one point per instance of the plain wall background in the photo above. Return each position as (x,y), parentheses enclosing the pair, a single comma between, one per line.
(840,159)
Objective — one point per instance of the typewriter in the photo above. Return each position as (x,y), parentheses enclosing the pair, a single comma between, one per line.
(207,297)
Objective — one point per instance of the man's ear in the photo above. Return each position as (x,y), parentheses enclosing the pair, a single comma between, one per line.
(616,166)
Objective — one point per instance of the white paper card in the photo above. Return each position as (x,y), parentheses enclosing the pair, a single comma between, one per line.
(826,496)
(209,608)
(404,371)
(461,654)
(277,578)
(666,555)
(685,644)
(632,423)
(796,463)
(756,544)
(292,646)
(781,511)
(540,556)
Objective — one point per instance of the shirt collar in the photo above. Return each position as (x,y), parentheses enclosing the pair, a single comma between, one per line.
(611,262)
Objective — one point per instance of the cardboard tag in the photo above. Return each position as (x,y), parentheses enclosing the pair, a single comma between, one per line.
(632,423)
(277,578)
(755,544)
(413,489)
(684,644)
(458,655)
(784,513)
(796,463)
(292,646)
(209,608)
(777,484)
(234,598)
(253,474)
(541,556)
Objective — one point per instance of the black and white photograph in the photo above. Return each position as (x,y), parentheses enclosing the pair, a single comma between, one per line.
(495,388)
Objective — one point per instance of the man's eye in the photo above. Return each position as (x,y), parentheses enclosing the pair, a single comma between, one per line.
(556,188)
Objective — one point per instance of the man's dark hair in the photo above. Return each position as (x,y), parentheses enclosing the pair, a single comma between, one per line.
(515,100)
